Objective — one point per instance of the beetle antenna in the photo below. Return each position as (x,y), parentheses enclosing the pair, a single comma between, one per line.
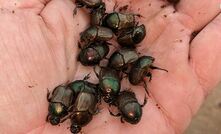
(153,67)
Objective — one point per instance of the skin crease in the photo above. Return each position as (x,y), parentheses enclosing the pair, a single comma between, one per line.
(39,49)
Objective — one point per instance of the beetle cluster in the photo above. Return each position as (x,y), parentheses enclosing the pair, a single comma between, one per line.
(79,100)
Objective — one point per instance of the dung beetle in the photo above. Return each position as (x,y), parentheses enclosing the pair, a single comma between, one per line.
(97,15)
(109,83)
(122,58)
(129,108)
(59,103)
(132,36)
(96,33)
(93,54)
(118,21)
(140,69)
(85,105)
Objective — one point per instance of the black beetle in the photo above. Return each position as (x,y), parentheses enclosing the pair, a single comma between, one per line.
(129,108)
(93,54)
(109,83)
(118,21)
(140,69)
(122,58)
(85,105)
(132,36)
(96,33)
(97,15)
(59,103)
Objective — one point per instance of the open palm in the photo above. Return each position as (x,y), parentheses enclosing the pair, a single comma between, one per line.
(39,48)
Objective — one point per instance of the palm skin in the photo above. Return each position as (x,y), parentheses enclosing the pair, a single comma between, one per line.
(39,48)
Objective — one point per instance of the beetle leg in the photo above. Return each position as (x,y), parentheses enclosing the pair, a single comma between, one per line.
(78,5)
(144,102)
(87,76)
(65,118)
(149,75)
(139,15)
(153,67)
(97,111)
(96,69)
(122,120)
(48,96)
(47,118)
(70,108)
(145,87)
(115,115)
(79,45)
(115,6)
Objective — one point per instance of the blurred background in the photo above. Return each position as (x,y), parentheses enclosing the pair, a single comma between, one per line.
(208,119)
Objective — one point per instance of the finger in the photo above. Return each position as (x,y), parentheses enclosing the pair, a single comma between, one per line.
(171,52)
(205,55)
(58,18)
(34,6)
(200,12)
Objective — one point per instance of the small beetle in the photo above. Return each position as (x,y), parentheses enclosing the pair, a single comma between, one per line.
(118,21)
(132,36)
(97,15)
(93,54)
(122,58)
(59,103)
(109,83)
(96,33)
(129,108)
(85,105)
(140,69)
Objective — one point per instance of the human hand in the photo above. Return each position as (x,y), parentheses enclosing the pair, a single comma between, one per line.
(39,49)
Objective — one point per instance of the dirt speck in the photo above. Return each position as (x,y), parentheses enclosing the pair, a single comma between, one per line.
(123,8)
(163,6)
(30,86)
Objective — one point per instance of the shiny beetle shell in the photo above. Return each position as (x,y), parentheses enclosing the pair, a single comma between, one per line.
(131,37)
(93,54)
(85,107)
(59,103)
(96,33)
(122,58)
(83,86)
(140,69)
(129,107)
(118,21)
(109,84)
